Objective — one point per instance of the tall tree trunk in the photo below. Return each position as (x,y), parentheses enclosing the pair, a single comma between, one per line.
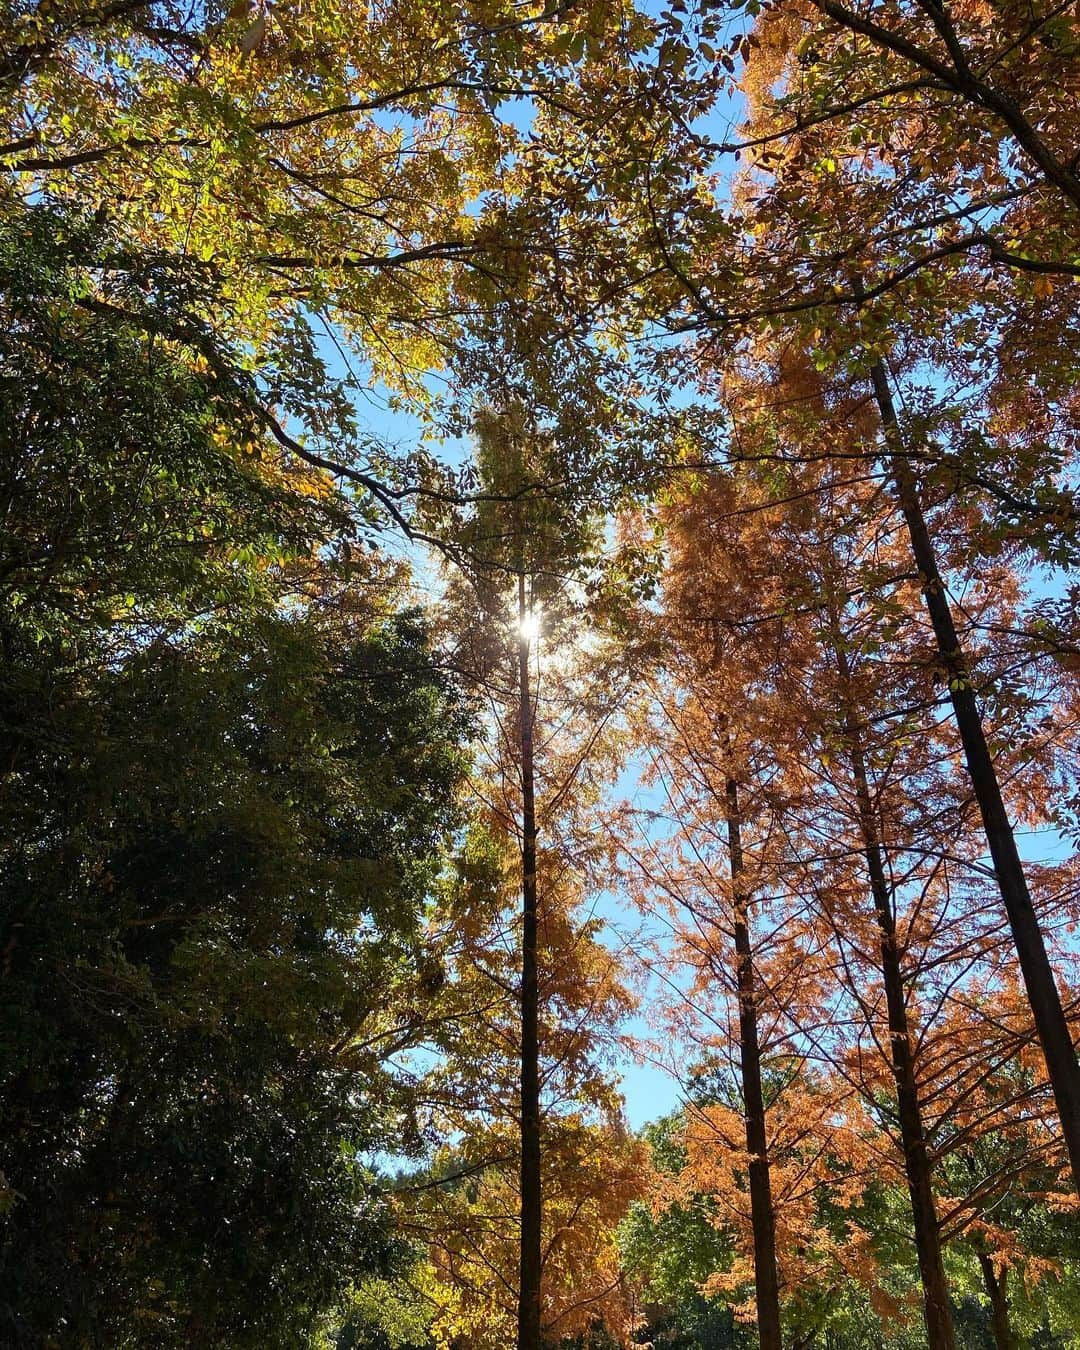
(936,1307)
(1042,992)
(762,1219)
(528,1327)
(1004,1336)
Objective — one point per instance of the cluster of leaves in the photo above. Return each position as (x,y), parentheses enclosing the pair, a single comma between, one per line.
(230,763)
(222,819)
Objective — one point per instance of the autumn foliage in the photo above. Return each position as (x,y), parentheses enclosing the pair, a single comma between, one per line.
(537,542)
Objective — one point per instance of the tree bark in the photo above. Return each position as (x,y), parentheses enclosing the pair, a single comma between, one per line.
(528,1322)
(762,1219)
(936,1305)
(1042,992)
(1004,1336)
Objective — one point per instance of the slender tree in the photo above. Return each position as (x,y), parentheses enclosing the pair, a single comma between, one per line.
(516,600)
(1062,1064)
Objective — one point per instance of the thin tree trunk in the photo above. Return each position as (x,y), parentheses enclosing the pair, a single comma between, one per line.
(936,1306)
(1004,1336)
(528,1332)
(762,1219)
(1042,992)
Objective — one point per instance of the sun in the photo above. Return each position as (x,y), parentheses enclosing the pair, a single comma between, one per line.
(529,625)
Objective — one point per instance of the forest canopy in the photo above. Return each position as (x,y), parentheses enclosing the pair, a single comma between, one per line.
(539,710)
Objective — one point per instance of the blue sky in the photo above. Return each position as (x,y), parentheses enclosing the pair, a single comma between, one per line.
(650,1091)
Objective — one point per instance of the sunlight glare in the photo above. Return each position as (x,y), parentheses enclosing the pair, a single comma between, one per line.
(529,627)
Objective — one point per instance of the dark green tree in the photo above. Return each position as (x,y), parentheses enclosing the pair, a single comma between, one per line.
(228,773)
